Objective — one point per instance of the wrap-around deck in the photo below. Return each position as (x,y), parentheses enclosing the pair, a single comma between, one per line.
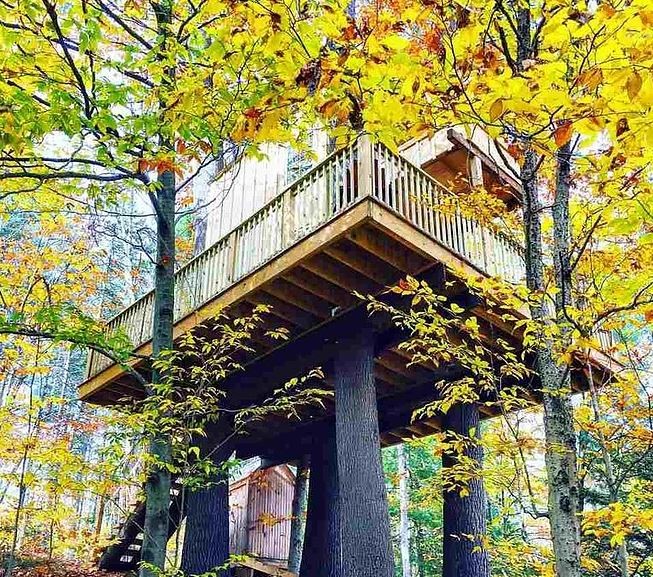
(359,220)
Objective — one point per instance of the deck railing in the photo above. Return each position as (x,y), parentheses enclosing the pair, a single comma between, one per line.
(359,170)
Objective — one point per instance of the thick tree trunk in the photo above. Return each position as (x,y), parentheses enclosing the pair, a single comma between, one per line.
(555,380)
(206,541)
(321,555)
(404,526)
(366,545)
(464,522)
(298,515)
(157,485)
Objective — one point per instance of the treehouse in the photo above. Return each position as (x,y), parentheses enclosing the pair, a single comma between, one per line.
(303,239)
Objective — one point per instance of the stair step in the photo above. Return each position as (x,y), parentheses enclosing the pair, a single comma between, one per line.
(124,566)
(126,553)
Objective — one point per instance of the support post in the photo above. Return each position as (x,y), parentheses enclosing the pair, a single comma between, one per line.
(321,556)
(464,516)
(206,541)
(365,165)
(365,522)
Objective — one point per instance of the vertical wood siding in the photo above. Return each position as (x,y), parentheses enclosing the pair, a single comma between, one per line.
(248,185)
(260,514)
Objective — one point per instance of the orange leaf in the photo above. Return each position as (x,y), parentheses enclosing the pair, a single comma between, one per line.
(591,78)
(562,134)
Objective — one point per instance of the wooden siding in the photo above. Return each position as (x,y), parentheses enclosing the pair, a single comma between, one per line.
(270,513)
(260,514)
(250,183)
(238,516)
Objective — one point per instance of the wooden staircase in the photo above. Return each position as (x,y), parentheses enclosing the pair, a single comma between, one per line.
(125,553)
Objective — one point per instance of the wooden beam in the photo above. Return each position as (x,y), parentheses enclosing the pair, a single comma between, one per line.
(385,247)
(285,310)
(260,567)
(366,264)
(320,287)
(340,274)
(299,297)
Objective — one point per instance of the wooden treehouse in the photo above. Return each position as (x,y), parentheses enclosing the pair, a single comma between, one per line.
(359,221)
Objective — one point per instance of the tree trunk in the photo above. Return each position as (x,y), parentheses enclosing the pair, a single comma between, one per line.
(555,380)
(298,515)
(321,556)
(366,545)
(404,527)
(206,541)
(157,486)
(99,516)
(464,522)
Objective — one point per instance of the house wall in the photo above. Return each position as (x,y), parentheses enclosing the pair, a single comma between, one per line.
(238,520)
(260,514)
(247,185)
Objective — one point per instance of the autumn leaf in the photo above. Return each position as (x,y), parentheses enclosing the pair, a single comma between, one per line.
(591,78)
(633,84)
(496,109)
(562,134)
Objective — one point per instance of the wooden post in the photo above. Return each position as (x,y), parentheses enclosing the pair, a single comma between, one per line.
(206,541)
(365,182)
(288,217)
(475,171)
(364,518)
(464,517)
(321,555)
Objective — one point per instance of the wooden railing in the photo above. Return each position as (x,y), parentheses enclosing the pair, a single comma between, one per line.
(417,197)
(362,169)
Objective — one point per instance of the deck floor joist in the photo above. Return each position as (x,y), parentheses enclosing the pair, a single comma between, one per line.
(311,285)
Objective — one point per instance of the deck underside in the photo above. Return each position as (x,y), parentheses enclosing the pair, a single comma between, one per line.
(310,289)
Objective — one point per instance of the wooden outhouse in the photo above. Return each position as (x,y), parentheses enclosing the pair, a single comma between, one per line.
(260,506)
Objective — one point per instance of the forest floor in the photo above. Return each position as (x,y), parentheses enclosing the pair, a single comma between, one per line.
(59,568)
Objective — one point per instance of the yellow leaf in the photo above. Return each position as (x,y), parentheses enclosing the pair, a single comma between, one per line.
(496,110)
(634,84)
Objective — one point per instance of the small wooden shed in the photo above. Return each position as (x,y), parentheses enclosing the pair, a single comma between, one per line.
(260,507)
